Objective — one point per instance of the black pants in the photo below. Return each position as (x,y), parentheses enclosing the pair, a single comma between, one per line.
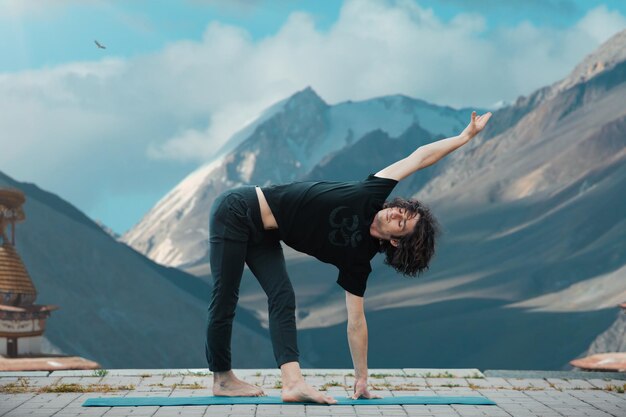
(237,236)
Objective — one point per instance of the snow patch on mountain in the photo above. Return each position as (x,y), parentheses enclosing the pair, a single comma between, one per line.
(247,165)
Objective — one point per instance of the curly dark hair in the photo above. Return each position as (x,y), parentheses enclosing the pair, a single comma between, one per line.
(415,250)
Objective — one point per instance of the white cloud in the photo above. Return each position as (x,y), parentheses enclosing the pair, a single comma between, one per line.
(139,124)
(600,23)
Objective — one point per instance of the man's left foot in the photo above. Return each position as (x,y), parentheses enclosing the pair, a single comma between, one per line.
(226,384)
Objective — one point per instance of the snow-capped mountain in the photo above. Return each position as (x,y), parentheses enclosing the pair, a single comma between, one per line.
(283,145)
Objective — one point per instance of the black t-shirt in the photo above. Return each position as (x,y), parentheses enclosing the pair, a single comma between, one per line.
(331,221)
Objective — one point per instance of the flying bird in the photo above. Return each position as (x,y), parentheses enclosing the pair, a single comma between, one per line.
(99,45)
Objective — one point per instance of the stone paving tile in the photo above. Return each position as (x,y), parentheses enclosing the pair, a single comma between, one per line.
(122,380)
(139,372)
(457,373)
(470,410)
(482,384)
(613,404)
(426,392)
(272,379)
(528,383)
(490,382)
(599,383)
(203,371)
(28,374)
(238,409)
(34,382)
(43,404)
(449,382)
(143,390)
(251,379)
(455,392)
(198,380)
(171,380)
(430,410)
(603,383)
(134,411)
(394,379)
(189,393)
(269,371)
(187,411)
(249,372)
(8,379)
(82,380)
(150,381)
(569,383)
(77,373)
(571,404)
(313,380)
(338,371)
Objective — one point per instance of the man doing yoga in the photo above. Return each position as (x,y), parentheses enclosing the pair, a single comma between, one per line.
(341,223)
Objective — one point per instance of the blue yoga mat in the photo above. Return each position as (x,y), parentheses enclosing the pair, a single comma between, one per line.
(169,401)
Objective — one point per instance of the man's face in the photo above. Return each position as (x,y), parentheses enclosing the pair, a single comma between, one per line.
(395,222)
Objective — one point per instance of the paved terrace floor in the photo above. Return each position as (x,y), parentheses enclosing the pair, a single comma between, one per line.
(517,393)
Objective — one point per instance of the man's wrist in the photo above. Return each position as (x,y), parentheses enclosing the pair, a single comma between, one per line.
(465,137)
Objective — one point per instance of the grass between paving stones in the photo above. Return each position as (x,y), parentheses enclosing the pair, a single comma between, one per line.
(22,385)
(100,372)
(188,373)
(445,374)
(195,385)
(617,388)
(380,376)
(85,388)
(526,388)
(553,386)
(327,385)
(405,387)
(18,387)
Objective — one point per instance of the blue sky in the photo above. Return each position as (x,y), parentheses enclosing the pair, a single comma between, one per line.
(113,130)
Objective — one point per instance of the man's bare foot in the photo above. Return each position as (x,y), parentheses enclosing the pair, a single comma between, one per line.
(295,389)
(303,392)
(226,384)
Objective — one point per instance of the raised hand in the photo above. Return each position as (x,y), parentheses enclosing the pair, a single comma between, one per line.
(477,124)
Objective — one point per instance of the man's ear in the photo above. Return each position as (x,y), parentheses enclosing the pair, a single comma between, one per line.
(394,242)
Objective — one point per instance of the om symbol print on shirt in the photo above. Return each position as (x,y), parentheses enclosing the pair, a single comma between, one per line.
(345,227)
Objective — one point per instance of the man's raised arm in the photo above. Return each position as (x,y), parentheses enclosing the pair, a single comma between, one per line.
(427,155)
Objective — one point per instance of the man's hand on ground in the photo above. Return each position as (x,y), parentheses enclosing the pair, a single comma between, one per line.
(361,391)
